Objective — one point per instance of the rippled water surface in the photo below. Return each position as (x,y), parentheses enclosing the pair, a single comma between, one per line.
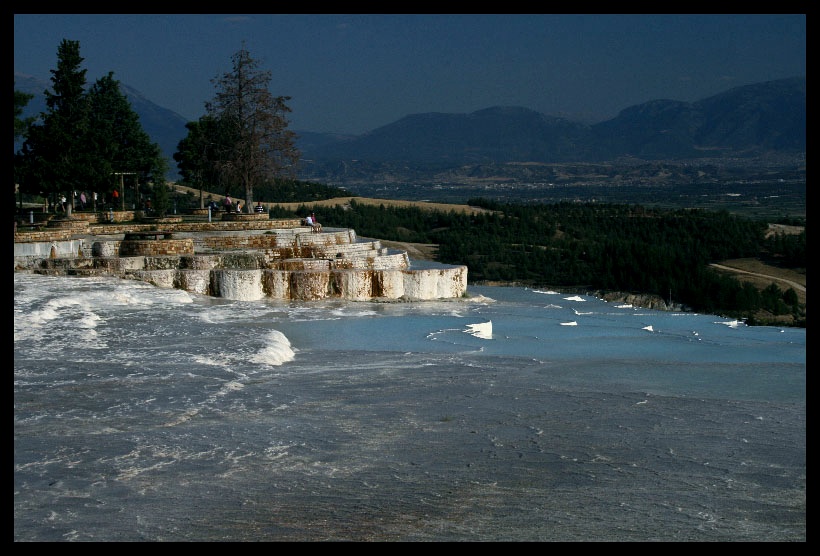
(515,414)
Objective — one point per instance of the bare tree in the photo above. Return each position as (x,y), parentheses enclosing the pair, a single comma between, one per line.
(261,146)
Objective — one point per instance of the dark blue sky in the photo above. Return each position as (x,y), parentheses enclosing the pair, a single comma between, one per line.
(351,73)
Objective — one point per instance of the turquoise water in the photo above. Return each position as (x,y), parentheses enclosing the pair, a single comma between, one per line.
(514,414)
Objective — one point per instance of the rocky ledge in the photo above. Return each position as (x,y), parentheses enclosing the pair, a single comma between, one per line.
(243,259)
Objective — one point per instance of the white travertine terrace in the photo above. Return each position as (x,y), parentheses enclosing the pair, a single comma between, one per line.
(285,264)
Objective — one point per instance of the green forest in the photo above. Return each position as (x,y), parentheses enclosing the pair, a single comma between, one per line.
(596,247)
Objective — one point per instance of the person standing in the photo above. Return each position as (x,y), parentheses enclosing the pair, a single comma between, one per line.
(314,224)
(228,203)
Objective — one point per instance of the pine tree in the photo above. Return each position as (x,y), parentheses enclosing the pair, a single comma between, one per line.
(21,126)
(83,138)
(262,148)
(56,151)
(119,143)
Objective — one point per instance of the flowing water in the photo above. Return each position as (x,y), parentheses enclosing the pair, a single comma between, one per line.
(512,415)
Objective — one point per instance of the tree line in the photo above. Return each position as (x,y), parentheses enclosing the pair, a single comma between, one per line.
(84,140)
(90,139)
(597,247)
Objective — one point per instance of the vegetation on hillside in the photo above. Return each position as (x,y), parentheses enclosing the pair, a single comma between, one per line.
(599,247)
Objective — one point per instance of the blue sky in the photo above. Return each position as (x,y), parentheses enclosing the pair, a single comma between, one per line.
(352,73)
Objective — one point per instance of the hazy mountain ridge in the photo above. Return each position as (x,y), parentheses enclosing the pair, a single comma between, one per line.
(742,121)
(749,121)
(492,134)
(771,115)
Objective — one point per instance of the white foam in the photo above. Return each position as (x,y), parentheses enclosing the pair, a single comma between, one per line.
(575,298)
(482,330)
(277,350)
(481,299)
(345,312)
(572,323)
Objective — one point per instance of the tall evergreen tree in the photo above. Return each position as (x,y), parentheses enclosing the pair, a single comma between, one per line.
(21,126)
(263,147)
(56,150)
(118,142)
(84,137)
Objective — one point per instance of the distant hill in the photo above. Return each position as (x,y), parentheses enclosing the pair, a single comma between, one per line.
(493,134)
(749,121)
(744,121)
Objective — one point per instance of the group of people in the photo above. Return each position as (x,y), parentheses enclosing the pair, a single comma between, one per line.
(80,201)
(230,207)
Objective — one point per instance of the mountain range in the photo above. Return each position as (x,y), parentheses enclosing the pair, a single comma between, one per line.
(744,122)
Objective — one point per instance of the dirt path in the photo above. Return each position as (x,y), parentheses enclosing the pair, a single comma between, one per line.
(791,283)
(343,201)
